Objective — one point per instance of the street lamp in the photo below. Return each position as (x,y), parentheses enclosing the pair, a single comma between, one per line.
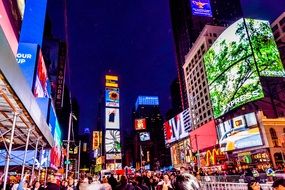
(71,115)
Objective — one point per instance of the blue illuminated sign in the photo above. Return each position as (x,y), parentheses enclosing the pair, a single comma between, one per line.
(201,8)
(26,58)
(147,100)
(33,23)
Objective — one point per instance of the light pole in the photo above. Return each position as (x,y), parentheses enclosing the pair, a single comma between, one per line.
(71,115)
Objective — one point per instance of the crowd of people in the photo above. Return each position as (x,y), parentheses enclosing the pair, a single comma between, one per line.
(146,180)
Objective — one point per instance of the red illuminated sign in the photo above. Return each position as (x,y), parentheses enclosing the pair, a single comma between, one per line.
(204,136)
(60,76)
(140,124)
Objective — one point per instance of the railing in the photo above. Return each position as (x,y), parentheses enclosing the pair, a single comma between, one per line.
(231,186)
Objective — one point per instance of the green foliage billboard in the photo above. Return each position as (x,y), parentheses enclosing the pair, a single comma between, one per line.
(236,60)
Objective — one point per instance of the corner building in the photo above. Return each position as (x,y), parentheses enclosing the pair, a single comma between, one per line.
(187,27)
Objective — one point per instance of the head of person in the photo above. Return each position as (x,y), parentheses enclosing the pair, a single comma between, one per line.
(70,181)
(253,185)
(166,178)
(123,180)
(104,179)
(186,181)
(279,184)
(37,184)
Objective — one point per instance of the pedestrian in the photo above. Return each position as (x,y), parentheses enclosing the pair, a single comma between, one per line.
(253,185)
(279,184)
(106,184)
(186,182)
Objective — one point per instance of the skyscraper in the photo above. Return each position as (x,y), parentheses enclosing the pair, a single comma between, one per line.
(149,150)
(187,27)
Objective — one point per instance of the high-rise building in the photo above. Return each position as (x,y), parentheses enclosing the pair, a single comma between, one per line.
(187,27)
(149,150)
(278,28)
(195,76)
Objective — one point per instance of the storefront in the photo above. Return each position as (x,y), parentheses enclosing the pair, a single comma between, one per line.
(181,153)
(259,158)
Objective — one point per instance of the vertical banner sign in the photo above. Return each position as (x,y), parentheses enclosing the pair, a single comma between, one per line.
(201,8)
(26,58)
(96,140)
(60,76)
(41,81)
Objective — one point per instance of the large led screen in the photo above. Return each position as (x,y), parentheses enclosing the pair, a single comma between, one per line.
(235,61)
(112,118)
(239,133)
(55,156)
(144,136)
(112,97)
(178,127)
(201,8)
(112,141)
(140,124)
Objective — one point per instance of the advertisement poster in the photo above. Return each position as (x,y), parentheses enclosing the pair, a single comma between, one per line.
(112,97)
(112,118)
(41,82)
(144,136)
(232,76)
(239,133)
(112,141)
(178,127)
(140,124)
(201,8)
(96,140)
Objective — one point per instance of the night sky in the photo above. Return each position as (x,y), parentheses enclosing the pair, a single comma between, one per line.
(131,38)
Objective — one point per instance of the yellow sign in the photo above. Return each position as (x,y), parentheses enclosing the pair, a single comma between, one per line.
(111,81)
(96,140)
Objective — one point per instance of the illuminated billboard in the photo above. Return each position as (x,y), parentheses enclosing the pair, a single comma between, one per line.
(111,81)
(235,61)
(140,124)
(147,100)
(112,97)
(239,133)
(26,58)
(178,127)
(144,136)
(201,8)
(205,136)
(32,29)
(41,81)
(96,140)
(112,118)
(113,156)
(55,155)
(112,141)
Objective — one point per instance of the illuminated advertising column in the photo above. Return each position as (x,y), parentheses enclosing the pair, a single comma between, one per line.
(112,139)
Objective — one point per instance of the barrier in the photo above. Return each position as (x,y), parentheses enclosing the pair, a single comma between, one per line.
(231,186)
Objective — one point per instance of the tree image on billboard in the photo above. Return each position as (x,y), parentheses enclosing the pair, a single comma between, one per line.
(232,62)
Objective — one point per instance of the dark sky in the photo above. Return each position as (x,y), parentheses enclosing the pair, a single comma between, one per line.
(133,39)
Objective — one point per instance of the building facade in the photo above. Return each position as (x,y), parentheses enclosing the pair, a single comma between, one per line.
(187,26)
(195,76)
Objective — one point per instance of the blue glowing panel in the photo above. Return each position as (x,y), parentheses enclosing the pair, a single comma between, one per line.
(201,8)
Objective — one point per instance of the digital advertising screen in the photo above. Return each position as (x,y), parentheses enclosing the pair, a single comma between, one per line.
(178,127)
(140,124)
(96,140)
(144,136)
(147,100)
(201,8)
(41,82)
(113,156)
(55,155)
(112,118)
(231,72)
(112,141)
(112,97)
(239,133)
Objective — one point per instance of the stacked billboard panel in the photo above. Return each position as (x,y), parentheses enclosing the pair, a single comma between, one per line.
(178,127)
(112,122)
(244,51)
(239,133)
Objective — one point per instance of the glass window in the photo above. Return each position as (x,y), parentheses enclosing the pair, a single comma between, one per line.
(274,28)
(273,134)
(282,21)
